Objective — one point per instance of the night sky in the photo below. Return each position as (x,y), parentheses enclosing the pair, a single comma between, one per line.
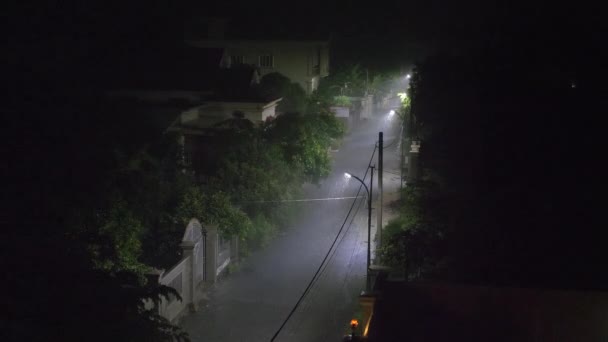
(93,37)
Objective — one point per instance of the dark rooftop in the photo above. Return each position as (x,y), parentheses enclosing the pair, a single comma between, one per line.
(449,312)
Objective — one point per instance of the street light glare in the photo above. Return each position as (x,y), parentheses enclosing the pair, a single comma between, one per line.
(408,76)
(347,175)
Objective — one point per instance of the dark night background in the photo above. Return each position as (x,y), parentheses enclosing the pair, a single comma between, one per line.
(540,137)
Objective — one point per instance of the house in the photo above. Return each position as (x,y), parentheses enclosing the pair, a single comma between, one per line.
(189,94)
(198,126)
(209,114)
(302,59)
(164,82)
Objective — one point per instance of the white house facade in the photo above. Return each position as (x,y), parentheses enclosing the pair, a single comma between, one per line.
(213,112)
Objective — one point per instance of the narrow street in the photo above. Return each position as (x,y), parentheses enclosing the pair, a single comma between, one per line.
(252,303)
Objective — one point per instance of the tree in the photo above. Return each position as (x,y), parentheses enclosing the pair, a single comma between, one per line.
(305,140)
(274,85)
(115,245)
(212,208)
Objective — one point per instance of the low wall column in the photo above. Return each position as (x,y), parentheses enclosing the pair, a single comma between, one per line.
(153,277)
(187,252)
(211,251)
(413,167)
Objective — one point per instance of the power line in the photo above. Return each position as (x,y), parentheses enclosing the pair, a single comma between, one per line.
(322,274)
(312,281)
(304,199)
(334,250)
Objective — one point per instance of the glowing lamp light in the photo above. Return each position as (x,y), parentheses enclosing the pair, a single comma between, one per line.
(392,112)
(408,76)
(347,175)
(354,324)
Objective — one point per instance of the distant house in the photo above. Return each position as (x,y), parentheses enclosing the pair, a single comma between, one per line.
(164,82)
(303,59)
(209,114)
(187,82)
(190,94)
(197,128)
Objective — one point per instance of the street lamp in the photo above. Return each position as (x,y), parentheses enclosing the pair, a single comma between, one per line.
(369,219)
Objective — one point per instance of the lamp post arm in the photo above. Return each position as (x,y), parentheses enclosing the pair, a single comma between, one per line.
(362,183)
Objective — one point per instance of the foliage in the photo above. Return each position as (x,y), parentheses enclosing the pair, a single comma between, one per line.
(274,85)
(117,244)
(342,100)
(262,231)
(304,140)
(488,211)
(348,80)
(413,236)
(73,298)
(128,208)
(354,80)
(406,108)
(213,208)
(379,84)
(319,102)
(255,166)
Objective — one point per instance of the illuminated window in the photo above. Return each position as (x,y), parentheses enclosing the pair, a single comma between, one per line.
(267,61)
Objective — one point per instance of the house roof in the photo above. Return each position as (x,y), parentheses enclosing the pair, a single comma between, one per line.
(188,68)
(207,116)
(236,84)
(442,312)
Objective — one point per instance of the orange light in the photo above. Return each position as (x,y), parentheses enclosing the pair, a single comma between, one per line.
(354,324)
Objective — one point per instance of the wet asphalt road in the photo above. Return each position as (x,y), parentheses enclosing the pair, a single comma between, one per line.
(251,304)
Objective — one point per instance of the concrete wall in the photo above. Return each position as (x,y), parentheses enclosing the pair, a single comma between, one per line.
(340,112)
(367,104)
(177,278)
(202,262)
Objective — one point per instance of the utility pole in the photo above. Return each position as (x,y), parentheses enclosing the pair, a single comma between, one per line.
(380,186)
(402,160)
(369,221)
(369,228)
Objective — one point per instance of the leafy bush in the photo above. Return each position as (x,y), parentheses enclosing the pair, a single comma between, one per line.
(274,85)
(342,101)
(261,232)
(214,208)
